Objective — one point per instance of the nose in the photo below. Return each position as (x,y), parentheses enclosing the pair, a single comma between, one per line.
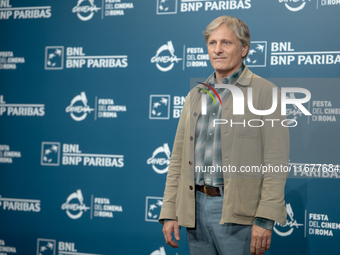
(218,49)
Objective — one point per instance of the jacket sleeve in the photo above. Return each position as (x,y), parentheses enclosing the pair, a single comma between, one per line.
(275,142)
(168,210)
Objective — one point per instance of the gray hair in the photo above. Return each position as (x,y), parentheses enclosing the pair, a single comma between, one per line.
(240,29)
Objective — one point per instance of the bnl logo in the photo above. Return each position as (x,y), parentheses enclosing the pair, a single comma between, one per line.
(166,7)
(257,56)
(46,247)
(54,58)
(153,207)
(159,107)
(50,153)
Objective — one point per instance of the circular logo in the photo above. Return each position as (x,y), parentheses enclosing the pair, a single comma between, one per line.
(165,59)
(158,161)
(79,207)
(72,108)
(85,12)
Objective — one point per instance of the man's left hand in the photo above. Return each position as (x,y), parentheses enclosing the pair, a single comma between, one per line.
(260,240)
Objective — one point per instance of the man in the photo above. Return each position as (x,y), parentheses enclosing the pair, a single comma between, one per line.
(232,211)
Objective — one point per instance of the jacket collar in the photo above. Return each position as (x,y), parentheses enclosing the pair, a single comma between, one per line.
(245,77)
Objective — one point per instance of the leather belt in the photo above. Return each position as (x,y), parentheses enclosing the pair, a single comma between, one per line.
(209,190)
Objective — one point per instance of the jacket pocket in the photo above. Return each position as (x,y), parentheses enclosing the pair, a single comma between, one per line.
(247,198)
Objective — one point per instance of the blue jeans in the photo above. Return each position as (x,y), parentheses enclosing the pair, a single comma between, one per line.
(209,237)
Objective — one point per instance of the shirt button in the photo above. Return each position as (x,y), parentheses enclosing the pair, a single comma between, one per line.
(210,133)
(213,113)
(191,138)
(195,114)
(190,163)
(190,187)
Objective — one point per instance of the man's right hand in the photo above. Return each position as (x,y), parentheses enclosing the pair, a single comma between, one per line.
(168,228)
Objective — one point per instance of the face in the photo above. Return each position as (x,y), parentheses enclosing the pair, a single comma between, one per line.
(225,51)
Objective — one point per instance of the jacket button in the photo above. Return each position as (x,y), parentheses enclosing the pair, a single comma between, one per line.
(190,187)
(190,163)
(195,114)
(191,138)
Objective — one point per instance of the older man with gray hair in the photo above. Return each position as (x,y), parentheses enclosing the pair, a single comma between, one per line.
(231,211)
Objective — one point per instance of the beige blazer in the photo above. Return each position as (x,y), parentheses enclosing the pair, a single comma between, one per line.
(246,194)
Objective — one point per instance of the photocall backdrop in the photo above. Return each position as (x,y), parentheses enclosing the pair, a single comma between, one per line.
(91,93)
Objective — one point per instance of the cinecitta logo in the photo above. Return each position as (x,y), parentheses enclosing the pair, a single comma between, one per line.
(79,109)
(160,161)
(80,206)
(82,9)
(165,59)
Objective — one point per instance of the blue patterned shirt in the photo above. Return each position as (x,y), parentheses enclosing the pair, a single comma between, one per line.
(208,151)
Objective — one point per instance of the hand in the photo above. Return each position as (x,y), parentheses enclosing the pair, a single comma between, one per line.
(168,228)
(260,240)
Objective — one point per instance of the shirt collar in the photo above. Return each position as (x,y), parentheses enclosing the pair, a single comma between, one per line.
(227,80)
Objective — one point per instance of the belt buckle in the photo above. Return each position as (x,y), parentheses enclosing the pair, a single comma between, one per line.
(205,191)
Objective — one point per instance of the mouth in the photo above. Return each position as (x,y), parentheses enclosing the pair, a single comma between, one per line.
(219,59)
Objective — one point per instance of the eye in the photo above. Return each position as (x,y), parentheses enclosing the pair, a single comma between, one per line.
(212,43)
(226,42)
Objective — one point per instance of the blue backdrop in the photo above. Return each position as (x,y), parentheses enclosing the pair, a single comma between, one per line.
(90,96)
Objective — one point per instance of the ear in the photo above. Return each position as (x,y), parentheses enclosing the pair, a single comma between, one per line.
(244,50)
